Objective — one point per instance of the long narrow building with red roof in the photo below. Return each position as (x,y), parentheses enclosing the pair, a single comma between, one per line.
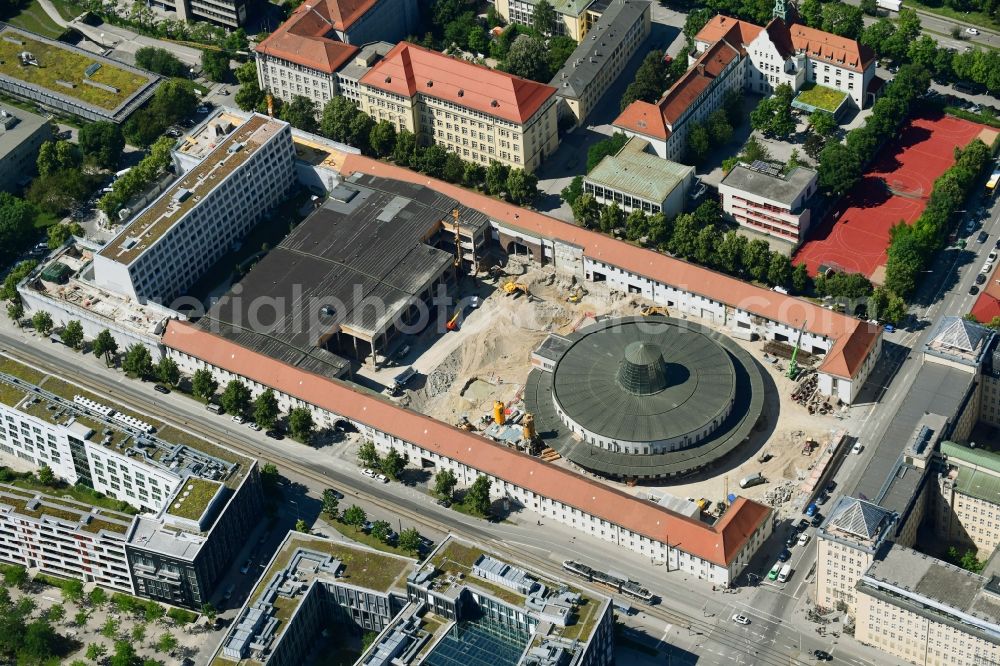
(480,114)
(732,55)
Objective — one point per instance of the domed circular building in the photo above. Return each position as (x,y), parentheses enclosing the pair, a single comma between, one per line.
(643,397)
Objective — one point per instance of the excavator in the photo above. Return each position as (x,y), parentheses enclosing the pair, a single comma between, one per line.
(515,288)
(650,310)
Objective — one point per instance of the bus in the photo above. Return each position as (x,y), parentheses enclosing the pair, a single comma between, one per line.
(993,183)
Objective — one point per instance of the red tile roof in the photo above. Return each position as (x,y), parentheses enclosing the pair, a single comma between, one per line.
(409,69)
(736,32)
(987,306)
(849,333)
(655,120)
(718,544)
(840,51)
(307,38)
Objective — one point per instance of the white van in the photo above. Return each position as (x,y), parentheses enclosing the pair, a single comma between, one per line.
(752,480)
(785,573)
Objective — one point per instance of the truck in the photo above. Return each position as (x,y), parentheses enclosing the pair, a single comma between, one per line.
(890,5)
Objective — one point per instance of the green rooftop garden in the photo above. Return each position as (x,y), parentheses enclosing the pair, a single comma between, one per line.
(57,63)
(821,97)
(10,395)
(79,492)
(459,558)
(20,370)
(193,498)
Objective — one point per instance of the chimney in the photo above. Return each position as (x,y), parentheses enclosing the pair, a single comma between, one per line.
(701,69)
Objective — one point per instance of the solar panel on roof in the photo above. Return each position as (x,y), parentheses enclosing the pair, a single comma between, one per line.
(765,167)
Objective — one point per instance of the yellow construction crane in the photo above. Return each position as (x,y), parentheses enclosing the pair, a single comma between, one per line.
(458,241)
(655,310)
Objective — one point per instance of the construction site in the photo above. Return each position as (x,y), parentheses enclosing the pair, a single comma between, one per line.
(476,375)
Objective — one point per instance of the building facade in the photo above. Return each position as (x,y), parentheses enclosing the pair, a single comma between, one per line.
(968,499)
(574,18)
(854,533)
(21,136)
(477,113)
(64,538)
(765,201)
(601,56)
(928,612)
(171,243)
(639,180)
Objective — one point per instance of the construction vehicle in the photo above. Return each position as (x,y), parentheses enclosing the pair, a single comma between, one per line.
(464,424)
(528,428)
(650,310)
(793,367)
(499,415)
(515,289)
(458,241)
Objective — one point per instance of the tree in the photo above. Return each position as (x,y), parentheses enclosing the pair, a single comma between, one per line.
(300,423)
(473,175)
(45,475)
(444,484)
(215,65)
(167,371)
(15,576)
(17,226)
(406,147)
(811,12)
(96,652)
(814,145)
(869,7)
(331,503)
(56,156)
(301,526)
(610,219)
(137,361)
(754,150)
(496,177)
(382,139)
(699,143)
(729,255)
(209,611)
(409,540)
(81,618)
(110,628)
(381,530)
(478,40)
(432,162)
(522,187)
(477,498)
(842,19)
(527,59)
(360,131)
(823,123)
(392,464)
(72,590)
(719,129)
(779,271)
(573,191)
(896,310)
(800,279)
(650,79)
(160,61)
(166,643)
(56,613)
(368,456)
(839,169)
(586,211)
(603,148)
(773,116)
(355,516)
(695,21)
(55,193)
(249,97)
(757,259)
(203,384)
(878,36)
(544,18)
(235,398)
(138,633)
(15,310)
(41,321)
(300,113)
(705,245)
(265,409)
(97,597)
(102,142)
(72,334)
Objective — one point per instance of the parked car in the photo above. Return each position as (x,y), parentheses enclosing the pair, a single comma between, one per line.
(246,566)
(253,426)
(444,502)
(741,619)
(981,278)
(784,555)
(752,480)
(336,493)
(160,388)
(792,539)
(811,509)
(858,447)
(817,520)
(982,237)
(971,31)
(381,477)
(773,573)
(822,655)
(368,472)
(238,418)
(802,525)
(822,499)
(274,434)
(973,290)
(804,538)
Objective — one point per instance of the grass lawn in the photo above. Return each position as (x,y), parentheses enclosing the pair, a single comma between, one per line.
(59,64)
(32,17)
(821,97)
(962,18)
(67,10)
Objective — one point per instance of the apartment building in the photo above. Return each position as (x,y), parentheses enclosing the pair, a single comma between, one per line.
(765,201)
(600,57)
(928,612)
(854,533)
(732,55)
(21,136)
(968,500)
(64,538)
(170,244)
(310,583)
(478,113)
(574,18)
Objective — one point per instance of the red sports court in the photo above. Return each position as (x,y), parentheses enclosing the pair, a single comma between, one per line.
(855,235)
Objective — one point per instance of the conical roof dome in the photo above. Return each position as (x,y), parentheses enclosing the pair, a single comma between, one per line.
(642,370)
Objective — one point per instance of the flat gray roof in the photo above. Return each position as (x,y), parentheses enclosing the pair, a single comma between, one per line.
(638,173)
(591,55)
(356,263)
(887,481)
(363,61)
(783,189)
(16,127)
(933,588)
